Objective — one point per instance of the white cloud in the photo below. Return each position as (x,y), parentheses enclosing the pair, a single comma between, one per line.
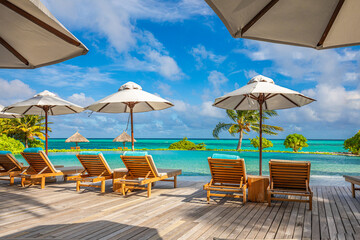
(217,80)
(81,99)
(14,91)
(129,46)
(65,75)
(335,74)
(180,106)
(201,54)
(250,74)
(164,88)
(210,111)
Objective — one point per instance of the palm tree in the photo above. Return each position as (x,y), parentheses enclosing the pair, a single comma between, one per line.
(244,122)
(25,128)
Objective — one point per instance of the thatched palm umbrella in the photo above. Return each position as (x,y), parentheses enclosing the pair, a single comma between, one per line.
(76,138)
(123,137)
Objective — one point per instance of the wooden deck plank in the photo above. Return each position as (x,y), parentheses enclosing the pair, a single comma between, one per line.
(59,212)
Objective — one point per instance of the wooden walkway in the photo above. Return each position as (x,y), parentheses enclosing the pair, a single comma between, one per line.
(59,212)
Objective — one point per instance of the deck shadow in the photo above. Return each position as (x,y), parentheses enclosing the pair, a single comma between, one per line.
(21,203)
(89,230)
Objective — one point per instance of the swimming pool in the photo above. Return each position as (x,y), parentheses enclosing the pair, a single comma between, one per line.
(194,163)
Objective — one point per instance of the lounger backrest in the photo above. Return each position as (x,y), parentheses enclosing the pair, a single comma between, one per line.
(289,174)
(140,166)
(9,162)
(39,161)
(95,164)
(229,171)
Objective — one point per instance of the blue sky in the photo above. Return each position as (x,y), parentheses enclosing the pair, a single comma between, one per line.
(182,51)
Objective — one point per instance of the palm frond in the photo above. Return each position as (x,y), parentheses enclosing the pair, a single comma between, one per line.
(221,127)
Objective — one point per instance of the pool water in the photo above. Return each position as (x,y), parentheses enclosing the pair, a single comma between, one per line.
(194,163)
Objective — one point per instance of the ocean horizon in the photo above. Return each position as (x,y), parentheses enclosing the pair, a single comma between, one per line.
(315,145)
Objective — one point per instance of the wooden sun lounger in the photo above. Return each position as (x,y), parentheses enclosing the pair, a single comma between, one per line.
(40,168)
(10,167)
(142,171)
(96,169)
(227,175)
(354,180)
(290,178)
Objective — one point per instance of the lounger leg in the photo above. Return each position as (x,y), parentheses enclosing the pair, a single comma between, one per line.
(353,190)
(102,186)
(269,199)
(11,181)
(23,182)
(149,190)
(244,195)
(310,202)
(77,186)
(208,196)
(42,182)
(175,181)
(123,189)
(65,178)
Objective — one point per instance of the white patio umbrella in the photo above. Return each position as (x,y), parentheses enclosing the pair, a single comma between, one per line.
(8,115)
(317,24)
(31,37)
(45,103)
(261,93)
(130,98)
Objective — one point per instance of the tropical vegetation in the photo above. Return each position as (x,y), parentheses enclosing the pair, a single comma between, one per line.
(10,144)
(265,143)
(185,144)
(25,129)
(245,121)
(353,144)
(296,142)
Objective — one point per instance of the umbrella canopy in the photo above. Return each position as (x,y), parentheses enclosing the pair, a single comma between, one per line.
(261,93)
(130,92)
(31,37)
(130,98)
(8,115)
(77,137)
(317,24)
(45,103)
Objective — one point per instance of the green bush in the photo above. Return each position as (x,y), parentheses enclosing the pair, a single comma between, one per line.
(185,144)
(33,143)
(10,144)
(295,141)
(265,143)
(353,144)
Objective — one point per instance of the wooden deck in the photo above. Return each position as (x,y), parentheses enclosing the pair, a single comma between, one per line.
(59,212)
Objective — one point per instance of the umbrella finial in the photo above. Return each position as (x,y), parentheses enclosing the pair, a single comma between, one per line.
(45,93)
(261,78)
(130,85)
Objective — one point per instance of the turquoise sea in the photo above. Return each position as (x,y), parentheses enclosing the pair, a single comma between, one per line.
(194,163)
(156,143)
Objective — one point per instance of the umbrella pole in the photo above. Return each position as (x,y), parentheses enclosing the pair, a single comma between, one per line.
(260,140)
(46,130)
(132,127)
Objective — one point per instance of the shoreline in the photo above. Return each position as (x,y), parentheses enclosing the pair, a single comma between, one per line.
(218,150)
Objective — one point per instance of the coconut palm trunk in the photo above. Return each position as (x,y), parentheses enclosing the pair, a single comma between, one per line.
(240,140)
